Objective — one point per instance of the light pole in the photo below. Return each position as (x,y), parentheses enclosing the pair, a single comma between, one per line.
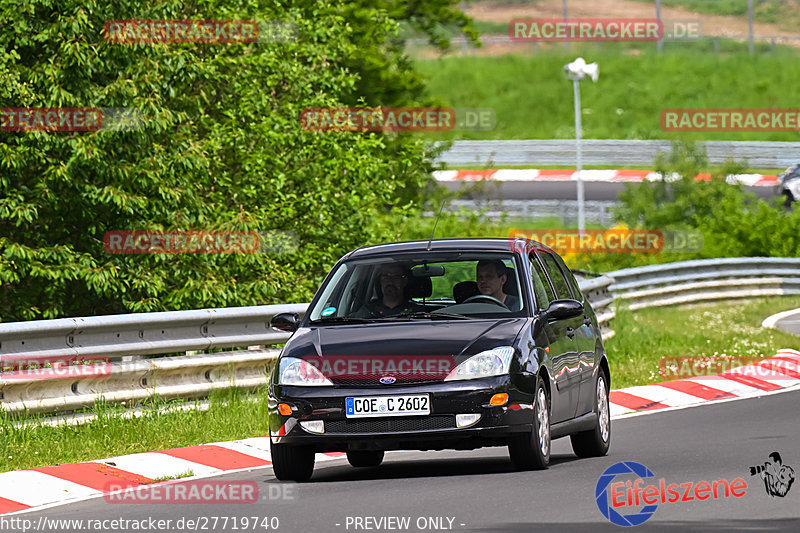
(576,71)
(660,43)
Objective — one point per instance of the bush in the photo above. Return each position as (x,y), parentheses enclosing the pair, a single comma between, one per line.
(734,222)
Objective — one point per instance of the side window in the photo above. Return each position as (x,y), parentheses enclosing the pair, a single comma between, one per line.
(571,281)
(541,287)
(556,276)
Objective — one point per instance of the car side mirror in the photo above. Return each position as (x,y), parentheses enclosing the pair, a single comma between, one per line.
(563,309)
(284,322)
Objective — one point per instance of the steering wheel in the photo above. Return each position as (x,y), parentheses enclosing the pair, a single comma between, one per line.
(490,299)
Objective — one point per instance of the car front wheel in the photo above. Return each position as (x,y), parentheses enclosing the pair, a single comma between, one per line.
(531,451)
(292,463)
(595,442)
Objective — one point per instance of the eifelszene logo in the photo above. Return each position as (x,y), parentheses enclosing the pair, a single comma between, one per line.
(615,497)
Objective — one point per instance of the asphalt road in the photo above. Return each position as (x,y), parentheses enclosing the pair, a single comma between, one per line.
(790,324)
(478,491)
(559,190)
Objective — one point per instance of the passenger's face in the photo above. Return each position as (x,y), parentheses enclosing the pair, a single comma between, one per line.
(393,282)
(489,282)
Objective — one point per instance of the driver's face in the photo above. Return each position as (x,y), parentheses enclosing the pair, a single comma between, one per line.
(393,282)
(489,283)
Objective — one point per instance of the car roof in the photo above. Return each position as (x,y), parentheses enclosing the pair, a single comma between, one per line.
(484,244)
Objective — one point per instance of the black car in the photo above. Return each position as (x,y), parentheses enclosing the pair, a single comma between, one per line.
(443,344)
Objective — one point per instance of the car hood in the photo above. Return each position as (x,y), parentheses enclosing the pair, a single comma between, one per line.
(459,338)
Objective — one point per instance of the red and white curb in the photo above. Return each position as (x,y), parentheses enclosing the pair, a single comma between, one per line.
(535,174)
(49,486)
(767,376)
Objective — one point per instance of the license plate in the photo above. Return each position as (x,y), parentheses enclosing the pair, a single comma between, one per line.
(387,406)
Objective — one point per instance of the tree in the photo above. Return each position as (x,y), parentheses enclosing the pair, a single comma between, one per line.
(221,149)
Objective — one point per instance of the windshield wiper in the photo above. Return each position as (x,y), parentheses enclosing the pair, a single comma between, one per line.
(344,320)
(442,316)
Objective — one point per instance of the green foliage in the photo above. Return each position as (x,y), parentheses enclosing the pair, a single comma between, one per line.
(734,222)
(221,149)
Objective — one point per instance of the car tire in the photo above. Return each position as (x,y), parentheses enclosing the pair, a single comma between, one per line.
(595,442)
(364,458)
(292,463)
(531,450)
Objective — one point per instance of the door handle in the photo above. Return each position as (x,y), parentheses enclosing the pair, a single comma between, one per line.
(570,333)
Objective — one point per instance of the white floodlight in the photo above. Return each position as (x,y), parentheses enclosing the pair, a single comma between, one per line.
(579,69)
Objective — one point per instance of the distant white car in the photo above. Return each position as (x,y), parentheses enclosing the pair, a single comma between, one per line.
(789,185)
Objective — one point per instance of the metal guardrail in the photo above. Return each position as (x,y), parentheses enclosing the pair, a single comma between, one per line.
(196,376)
(188,376)
(705,280)
(597,292)
(115,336)
(761,154)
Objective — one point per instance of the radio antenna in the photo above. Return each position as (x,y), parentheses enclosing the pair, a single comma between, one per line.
(434,225)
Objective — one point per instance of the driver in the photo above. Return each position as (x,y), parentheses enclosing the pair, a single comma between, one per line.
(491,276)
(394,280)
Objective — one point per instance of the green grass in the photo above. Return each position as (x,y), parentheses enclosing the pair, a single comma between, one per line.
(715,330)
(533,100)
(642,339)
(232,415)
(781,12)
(188,473)
(785,13)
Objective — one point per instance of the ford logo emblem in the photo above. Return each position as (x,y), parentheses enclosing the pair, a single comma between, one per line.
(387,380)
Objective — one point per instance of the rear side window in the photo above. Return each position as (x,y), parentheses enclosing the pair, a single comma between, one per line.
(541,287)
(556,276)
(571,281)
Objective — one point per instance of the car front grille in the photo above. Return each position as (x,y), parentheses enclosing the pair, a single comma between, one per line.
(391,425)
(374,382)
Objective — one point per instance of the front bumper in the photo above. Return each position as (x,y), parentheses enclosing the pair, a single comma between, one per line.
(436,431)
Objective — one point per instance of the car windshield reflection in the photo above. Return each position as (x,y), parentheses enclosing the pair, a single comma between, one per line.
(454,287)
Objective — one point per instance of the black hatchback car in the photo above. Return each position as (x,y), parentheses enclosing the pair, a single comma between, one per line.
(443,344)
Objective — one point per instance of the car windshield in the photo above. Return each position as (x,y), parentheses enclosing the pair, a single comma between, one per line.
(431,287)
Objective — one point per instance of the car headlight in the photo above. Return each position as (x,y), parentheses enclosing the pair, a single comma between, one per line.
(294,371)
(494,362)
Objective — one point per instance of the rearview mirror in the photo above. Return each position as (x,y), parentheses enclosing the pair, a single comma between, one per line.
(563,309)
(427,271)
